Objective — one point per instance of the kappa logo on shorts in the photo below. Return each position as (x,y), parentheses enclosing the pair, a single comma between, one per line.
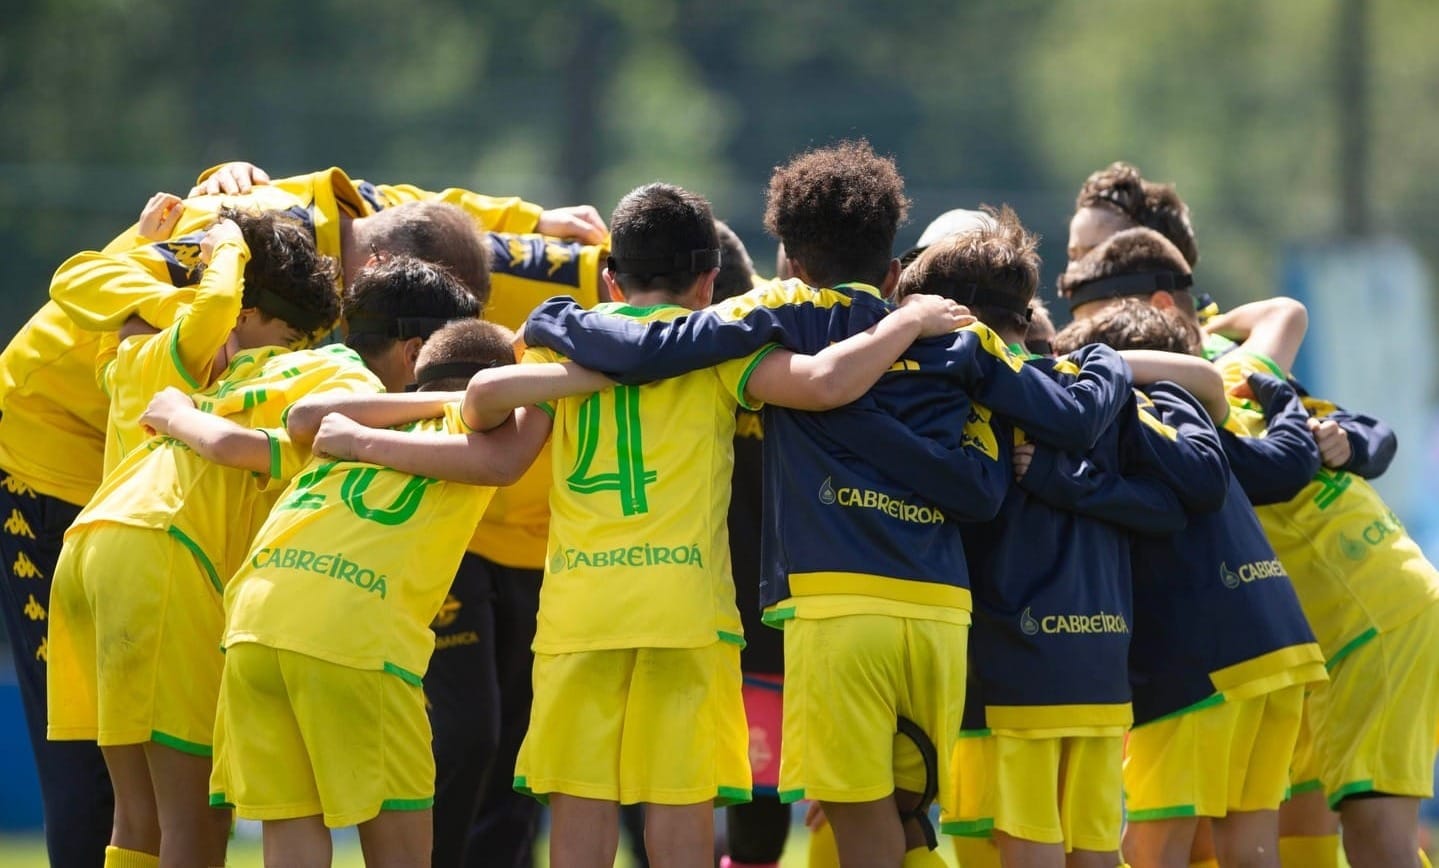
(1102,622)
(449,612)
(865,498)
(16,525)
(1250,572)
(1372,535)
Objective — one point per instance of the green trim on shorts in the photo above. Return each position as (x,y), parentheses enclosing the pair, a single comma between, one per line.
(199,553)
(407,804)
(776,617)
(522,786)
(1206,702)
(406,676)
(175,357)
(1348,790)
(193,748)
(732,638)
(1303,787)
(1350,647)
(1173,813)
(789,797)
(220,800)
(980,828)
(726,796)
(975,733)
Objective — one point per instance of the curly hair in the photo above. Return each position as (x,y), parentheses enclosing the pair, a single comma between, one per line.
(836,210)
(286,277)
(1133,324)
(466,343)
(402,297)
(992,268)
(1152,205)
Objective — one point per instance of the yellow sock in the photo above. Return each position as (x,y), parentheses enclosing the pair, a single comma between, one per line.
(1207,863)
(823,852)
(1311,851)
(923,857)
(1424,860)
(116,857)
(975,852)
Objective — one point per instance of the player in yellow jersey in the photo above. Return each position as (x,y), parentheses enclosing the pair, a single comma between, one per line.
(637,683)
(163,533)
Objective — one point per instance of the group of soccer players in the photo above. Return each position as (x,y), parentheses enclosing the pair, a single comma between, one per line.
(1116,594)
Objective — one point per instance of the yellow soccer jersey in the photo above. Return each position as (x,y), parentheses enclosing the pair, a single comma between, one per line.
(354,562)
(215,510)
(1356,571)
(178,356)
(527,270)
(638,544)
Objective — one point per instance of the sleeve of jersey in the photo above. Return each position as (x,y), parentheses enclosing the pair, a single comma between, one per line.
(286,459)
(1275,466)
(967,483)
(1372,443)
(1075,484)
(202,330)
(99,291)
(1070,417)
(1183,451)
(495,213)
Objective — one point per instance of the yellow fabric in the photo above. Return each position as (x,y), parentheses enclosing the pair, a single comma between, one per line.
(165,486)
(1318,851)
(1206,863)
(516,526)
(1424,860)
(1283,667)
(976,852)
(922,857)
(1374,724)
(639,540)
(132,645)
(494,213)
(823,849)
(1061,721)
(820,605)
(972,770)
(837,585)
(180,355)
(1355,569)
(847,679)
(296,737)
(354,562)
(116,857)
(1233,756)
(658,725)
(1304,768)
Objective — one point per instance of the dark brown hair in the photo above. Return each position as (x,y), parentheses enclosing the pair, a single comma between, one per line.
(402,297)
(1152,205)
(469,343)
(993,269)
(1131,251)
(286,277)
(1133,324)
(836,210)
(435,232)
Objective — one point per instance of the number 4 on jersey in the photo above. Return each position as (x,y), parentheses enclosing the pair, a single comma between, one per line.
(630,477)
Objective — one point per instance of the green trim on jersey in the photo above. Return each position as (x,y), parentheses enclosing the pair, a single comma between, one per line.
(1206,702)
(732,638)
(200,556)
(776,617)
(193,748)
(274,443)
(1350,647)
(404,675)
(743,386)
(175,357)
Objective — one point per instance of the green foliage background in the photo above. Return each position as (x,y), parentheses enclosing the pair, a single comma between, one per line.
(106,101)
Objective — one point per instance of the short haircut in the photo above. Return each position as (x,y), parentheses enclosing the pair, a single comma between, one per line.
(435,232)
(662,237)
(403,297)
(1039,336)
(993,269)
(736,276)
(836,210)
(1133,324)
(286,277)
(1152,205)
(460,349)
(1135,251)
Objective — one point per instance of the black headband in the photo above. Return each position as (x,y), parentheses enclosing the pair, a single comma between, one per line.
(273,304)
(449,370)
(402,328)
(971,295)
(1119,286)
(693,262)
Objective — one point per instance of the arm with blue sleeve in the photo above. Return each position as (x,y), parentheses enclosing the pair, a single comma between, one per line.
(1275,466)
(1075,484)
(789,313)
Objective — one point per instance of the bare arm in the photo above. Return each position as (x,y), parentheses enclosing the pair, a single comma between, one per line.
(842,372)
(1274,328)
(494,392)
(1198,377)
(375,411)
(496,457)
(213,438)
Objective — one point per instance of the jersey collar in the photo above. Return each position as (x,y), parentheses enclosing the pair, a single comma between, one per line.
(860,287)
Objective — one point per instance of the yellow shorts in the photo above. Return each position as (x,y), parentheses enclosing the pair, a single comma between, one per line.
(1304,768)
(847,681)
(134,644)
(1228,756)
(1374,723)
(297,736)
(663,726)
(1065,790)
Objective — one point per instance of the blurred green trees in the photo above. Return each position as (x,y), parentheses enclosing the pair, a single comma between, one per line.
(106,101)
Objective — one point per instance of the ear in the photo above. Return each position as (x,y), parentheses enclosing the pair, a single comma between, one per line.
(891,279)
(704,291)
(1161,300)
(411,353)
(246,313)
(616,293)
